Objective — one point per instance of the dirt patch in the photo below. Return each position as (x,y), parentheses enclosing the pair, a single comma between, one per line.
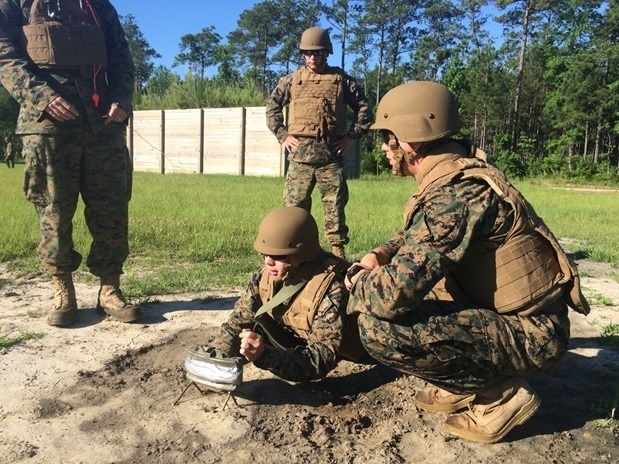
(104,392)
(586,189)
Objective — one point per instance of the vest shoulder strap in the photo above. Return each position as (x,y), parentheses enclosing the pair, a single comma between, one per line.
(292,288)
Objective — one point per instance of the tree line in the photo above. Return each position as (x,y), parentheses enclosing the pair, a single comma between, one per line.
(541,98)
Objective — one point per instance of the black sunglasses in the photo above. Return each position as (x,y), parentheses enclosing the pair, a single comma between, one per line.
(313,52)
(275,257)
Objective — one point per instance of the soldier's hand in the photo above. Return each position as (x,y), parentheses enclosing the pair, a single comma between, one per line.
(116,114)
(374,259)
(252,345)
(61,110)
(341,145)
(291,143)
(353,273)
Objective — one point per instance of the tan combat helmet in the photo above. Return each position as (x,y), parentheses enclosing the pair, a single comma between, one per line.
(419,111)
(286,231)
(316,38)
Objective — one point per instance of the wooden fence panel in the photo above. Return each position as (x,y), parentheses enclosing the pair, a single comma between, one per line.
(263,153)
(145,140)
(182,142)
(213,141)
(223,140)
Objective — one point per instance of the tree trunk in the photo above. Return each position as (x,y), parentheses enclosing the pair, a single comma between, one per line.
(586,144)
(523,48)
(381,58)
(596,147)
(344,32)
(600,121)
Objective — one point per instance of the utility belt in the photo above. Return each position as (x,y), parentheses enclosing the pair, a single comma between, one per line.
(316,145)
(326,137)
(314,138)
(71,72)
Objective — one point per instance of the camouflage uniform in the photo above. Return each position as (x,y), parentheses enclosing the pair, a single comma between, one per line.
(456,345)
(313,162)
(82,156)
(312,359)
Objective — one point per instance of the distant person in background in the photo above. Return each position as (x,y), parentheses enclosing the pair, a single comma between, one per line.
(75,97)
(316,135)
(9,156)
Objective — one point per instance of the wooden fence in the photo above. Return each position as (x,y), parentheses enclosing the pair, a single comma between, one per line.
(212,141)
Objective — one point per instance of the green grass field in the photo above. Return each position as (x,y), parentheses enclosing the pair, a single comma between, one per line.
(196,232)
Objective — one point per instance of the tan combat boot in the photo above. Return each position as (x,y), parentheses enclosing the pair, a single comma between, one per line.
(495,411)
(436,399)
(113,303)
(65,306)
(338,250)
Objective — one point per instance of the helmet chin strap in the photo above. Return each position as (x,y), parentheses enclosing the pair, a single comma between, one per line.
(399,156)
(287,273)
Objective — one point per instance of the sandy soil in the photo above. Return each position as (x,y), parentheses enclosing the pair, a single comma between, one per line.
(105,392)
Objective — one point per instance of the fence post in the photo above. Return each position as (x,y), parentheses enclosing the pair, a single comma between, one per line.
(162,156)
(201,168)
(130,139)
(242,141)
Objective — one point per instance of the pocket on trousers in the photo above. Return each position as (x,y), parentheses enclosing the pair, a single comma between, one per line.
(544,348)
(35,179)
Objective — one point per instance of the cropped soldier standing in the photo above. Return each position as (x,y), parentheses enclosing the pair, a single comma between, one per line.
(75,98)
(472,294)
(316,136)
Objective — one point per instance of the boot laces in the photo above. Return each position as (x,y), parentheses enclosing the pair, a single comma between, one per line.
(62,293)
(114,291)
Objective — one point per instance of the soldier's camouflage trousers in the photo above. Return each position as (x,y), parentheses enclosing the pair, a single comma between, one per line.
(464,350)
(300,181)
(61,167)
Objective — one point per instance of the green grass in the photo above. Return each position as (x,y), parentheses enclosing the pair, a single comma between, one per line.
(589,218)
(7,341)
(610,334)
(599,299)
(195,232)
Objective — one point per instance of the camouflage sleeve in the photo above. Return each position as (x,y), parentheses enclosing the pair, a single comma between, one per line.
(241,317)
(435,241)
(120,72)
(395,243)
(16,75)
(356,99)
(319,357)
(279,98)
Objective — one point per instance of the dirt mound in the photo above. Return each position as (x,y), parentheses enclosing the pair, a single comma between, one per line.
(105,392)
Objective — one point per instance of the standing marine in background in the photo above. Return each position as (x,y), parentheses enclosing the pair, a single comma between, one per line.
(9,156)
(316,135)
(472,294)
(68,64)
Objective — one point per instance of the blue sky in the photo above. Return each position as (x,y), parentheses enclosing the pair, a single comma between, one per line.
(163,22)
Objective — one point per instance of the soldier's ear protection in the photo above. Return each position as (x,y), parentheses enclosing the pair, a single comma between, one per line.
(399,154)
(391,140)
